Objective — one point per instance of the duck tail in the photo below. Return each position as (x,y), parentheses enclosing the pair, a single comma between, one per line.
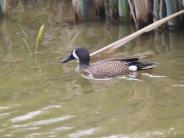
(143,65)
(146,65)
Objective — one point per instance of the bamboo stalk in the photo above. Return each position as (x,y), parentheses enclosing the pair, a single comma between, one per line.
(84,8)
(114,8)
(142,12)
(107,10)
(123,10)
(3,5)
(76,9)
(130,37)
(171,8)
(156,10)
(100,9)
(161,9)
(111,9)
(132,12)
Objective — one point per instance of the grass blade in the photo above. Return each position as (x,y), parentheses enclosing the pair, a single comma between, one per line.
(39,37)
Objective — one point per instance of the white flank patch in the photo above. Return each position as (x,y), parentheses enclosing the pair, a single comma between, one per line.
(133,68)
(75,55)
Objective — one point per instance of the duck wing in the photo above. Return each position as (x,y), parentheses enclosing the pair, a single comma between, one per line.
(120,60)
(125,59)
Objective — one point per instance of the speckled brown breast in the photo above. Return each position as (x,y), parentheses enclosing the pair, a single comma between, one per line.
(105,68)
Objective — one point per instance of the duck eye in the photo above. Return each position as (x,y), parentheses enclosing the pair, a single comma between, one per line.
(75,55)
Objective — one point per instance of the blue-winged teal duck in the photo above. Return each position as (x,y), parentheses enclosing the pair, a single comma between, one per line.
(108,67)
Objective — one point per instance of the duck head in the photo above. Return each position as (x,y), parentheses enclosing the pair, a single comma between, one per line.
(81,54)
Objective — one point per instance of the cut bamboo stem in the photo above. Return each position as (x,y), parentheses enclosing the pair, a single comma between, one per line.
(130,37)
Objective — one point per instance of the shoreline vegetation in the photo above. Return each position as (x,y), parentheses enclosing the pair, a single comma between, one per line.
(139,12)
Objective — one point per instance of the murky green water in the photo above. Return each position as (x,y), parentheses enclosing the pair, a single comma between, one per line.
(41,98)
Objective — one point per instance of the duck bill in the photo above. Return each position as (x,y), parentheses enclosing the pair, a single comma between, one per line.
(66,59)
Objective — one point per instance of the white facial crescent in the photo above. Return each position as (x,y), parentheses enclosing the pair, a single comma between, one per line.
(75,55)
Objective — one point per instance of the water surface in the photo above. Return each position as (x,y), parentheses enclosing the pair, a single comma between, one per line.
(41,98)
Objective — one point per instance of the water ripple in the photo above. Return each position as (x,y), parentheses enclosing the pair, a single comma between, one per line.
(31,115)
(177,85)
(33,135)
(25,117)
(52,120)
(82,133)
(44,122)
(4,108)
(62,128)
(147,134)
(4,115)
(153,76)
(24,129)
